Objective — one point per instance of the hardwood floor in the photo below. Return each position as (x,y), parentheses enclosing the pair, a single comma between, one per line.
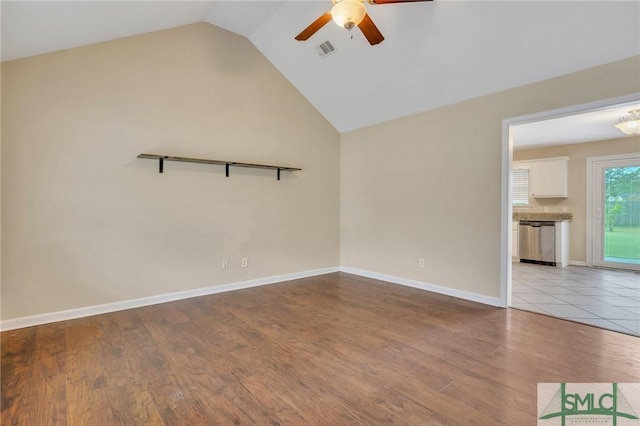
(329,350)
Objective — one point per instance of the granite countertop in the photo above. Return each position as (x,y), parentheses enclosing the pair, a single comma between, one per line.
(556,217)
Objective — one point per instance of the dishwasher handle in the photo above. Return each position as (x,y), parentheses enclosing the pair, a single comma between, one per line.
(537,224)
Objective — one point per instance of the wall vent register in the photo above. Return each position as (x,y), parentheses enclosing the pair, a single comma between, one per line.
(325,49)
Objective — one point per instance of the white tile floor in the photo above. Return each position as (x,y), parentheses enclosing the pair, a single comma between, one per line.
(602,297)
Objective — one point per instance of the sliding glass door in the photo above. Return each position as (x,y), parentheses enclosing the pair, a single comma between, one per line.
(615,207)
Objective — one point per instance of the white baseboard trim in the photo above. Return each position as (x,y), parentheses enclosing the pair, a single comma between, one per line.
(577,263)
(14,323)
(460,294)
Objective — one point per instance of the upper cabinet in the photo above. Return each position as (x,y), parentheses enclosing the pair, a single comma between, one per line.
(548,177)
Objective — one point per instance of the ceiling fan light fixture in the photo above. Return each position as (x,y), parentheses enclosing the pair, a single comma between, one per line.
(630,124)
(348,13)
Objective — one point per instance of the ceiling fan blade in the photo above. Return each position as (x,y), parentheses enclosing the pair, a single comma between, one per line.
(370,31)
(395,1)
(314,27)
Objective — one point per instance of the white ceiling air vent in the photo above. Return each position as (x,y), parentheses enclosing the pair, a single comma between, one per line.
(325,49)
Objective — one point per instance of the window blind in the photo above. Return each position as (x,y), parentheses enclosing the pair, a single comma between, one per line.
(520,187)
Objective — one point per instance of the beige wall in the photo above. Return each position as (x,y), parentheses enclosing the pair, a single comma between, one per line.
(85,222)
(0,195)
(429,185)
(576,203)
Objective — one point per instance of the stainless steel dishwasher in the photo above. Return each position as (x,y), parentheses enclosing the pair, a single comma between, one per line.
(537,242)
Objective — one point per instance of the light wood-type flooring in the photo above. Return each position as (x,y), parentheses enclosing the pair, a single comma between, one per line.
(329,350)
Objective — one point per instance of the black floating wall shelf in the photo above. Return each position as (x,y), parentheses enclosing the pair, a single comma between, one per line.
(162,158)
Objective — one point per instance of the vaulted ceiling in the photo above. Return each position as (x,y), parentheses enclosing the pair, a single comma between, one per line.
(435,53)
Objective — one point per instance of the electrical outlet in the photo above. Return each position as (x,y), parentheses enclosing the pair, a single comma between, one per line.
(225,264)
(564,210)
(546,209)
(245,262)
(421,263)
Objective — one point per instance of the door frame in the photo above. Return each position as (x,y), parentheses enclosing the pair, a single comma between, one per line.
(507,160)
(591,200)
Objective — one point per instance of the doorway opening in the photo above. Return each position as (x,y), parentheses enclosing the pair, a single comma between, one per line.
(574,287)
(613,225)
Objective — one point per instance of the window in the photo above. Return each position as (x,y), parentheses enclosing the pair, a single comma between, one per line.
(520,187)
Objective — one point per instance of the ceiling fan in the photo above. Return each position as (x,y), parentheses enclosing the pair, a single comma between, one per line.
(349,14)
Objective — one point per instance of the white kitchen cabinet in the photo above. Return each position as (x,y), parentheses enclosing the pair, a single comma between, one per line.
(562,243)
(514,239)
(548,177)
